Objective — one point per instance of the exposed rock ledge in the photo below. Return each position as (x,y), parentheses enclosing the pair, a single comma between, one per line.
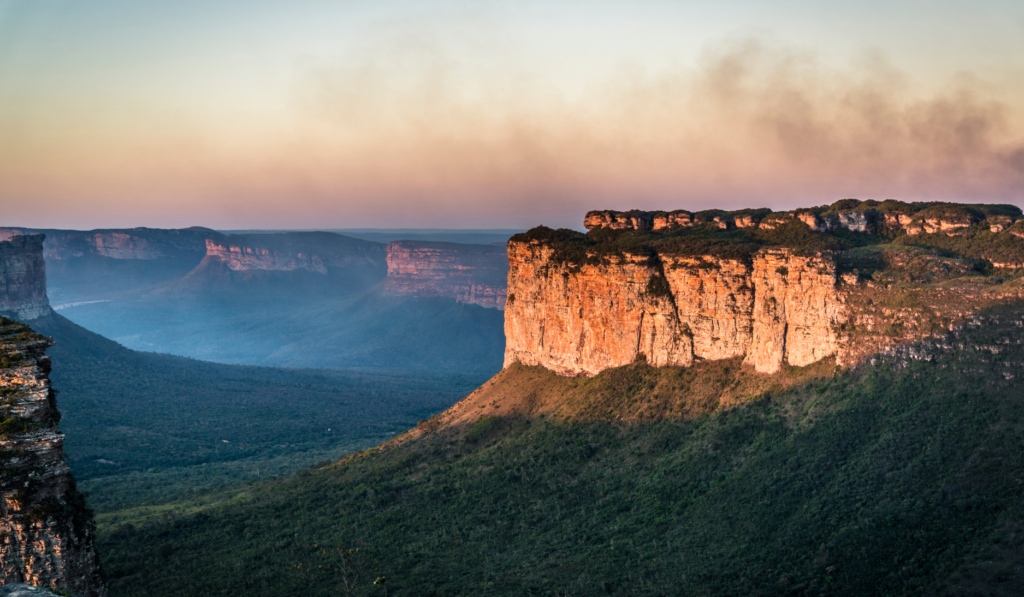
(46,532)
(471,274)
(779,308)
(23,278)
(312,251)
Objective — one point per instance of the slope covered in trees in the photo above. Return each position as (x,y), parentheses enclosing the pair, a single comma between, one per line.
(901,477)
(144,428)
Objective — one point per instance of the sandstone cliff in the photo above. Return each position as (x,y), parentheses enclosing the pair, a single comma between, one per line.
(471,274)
(144,244)
(888,216)
(775,289)
(311,251)
(292,266)
(23,278)
(778,308)
(46,531)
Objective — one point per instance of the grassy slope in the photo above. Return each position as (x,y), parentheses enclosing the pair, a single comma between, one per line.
(902,478)
(161,420)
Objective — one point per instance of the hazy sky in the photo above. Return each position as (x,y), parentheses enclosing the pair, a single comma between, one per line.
(342,114)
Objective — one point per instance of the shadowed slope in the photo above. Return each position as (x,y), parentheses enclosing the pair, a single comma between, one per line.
(898,478)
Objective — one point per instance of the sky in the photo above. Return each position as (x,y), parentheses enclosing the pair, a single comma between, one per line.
(451,114)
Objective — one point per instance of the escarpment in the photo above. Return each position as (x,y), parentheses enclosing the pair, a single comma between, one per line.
(471,274)
(778,308)
(772,288)
(46,531)
(311,251)
(849,214)
(146,244)
(23,278)
(300,265)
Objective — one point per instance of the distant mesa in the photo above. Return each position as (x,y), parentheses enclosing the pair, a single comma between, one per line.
(123,244)
(870,216)
(470,274)
(293,265)
(23,278)
(773,288)
(310,251)
(102,264)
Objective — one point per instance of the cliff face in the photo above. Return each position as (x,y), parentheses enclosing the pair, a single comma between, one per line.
(781,308)
(471,274)
(144,244)
(849,214)
(46,532)
(242,258)
(310,251)
(23,278)
(771,288)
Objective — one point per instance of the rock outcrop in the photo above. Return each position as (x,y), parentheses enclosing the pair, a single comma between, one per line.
(23,278)
(311,251)
(765,287)
(471,274)
(867,217)
(46,531)
(145,244)
(780,307)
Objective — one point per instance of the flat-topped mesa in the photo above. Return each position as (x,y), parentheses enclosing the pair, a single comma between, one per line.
(23,278)
(780,307)
(772,288)
(470,274)
(311,251)
(144,244)
(47,531)
(872,217)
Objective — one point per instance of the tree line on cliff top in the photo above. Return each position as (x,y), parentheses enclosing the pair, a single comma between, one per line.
(706,237)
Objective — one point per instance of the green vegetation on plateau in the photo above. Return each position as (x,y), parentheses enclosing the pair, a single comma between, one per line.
(900,478)
(705,237)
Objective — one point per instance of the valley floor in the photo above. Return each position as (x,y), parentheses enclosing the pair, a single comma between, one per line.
(900,478)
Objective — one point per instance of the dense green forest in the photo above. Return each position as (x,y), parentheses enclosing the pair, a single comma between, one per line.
(900,478)
(143,428)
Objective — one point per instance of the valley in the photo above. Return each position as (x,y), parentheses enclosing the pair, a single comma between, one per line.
(516,299)
(314,299)
(902,476)
(821,401)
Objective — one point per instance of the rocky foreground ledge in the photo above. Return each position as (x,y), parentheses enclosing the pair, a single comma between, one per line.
(773,288)
(46,530)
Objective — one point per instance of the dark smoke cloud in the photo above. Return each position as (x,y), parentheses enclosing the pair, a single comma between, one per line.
(753,121)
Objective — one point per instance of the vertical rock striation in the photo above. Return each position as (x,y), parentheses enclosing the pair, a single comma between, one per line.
(23,278)
(780,307)
(316,252)
(471,274)
(46,531)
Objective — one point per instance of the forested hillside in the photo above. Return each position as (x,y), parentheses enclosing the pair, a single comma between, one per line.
(901,477)
(144,428)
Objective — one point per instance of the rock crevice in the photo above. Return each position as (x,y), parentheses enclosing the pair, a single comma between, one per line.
(779,307)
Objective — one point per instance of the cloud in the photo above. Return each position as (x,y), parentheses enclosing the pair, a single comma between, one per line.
(752,120)
(456,124)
